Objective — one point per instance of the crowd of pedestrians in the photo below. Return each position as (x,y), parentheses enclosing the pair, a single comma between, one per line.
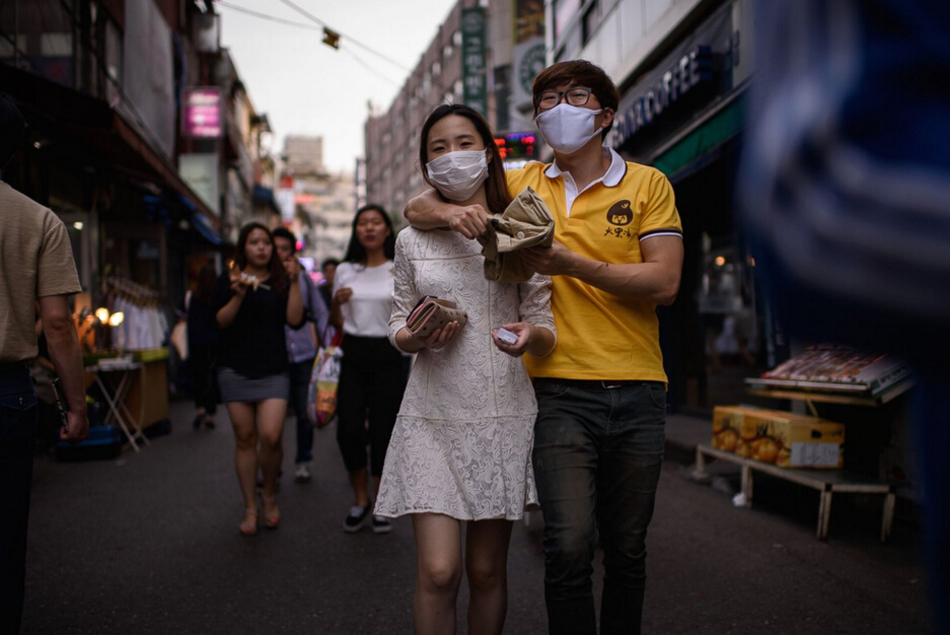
(484,427)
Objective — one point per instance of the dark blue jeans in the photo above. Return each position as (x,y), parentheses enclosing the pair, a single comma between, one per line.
(299,384)
(18,426)
(597,458)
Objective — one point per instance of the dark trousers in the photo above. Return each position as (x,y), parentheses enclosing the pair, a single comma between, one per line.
(18,426)
(299,387)
(597,457)
(204,377)
(371,386)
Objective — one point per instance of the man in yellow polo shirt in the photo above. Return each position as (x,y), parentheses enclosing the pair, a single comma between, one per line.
(599,436)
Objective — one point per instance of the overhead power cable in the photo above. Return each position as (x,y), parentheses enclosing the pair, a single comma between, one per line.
(296,7)
(333,33)
(265,16)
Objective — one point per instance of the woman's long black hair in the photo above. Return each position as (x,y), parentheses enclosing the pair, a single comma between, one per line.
(355,252)
(496,185)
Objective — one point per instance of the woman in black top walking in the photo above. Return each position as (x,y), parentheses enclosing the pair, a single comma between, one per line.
(253,302)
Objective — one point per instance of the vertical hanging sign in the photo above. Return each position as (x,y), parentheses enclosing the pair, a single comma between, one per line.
(474,80)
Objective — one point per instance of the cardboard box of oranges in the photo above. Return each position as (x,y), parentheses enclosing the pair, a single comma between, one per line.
(780,438)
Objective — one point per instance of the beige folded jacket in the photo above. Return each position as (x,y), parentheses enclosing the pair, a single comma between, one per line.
(527,222)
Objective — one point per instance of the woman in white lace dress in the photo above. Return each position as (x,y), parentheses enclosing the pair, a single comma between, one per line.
(461,449)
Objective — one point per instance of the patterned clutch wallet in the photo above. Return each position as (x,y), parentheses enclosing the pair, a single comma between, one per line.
(433,313)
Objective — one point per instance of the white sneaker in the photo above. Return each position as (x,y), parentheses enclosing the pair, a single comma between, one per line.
(302,475)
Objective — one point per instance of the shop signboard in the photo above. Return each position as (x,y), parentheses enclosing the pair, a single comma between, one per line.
(202,117)
(649,102)
(200,172)
(683,83)
(474,80)
(517,145)
(530,56)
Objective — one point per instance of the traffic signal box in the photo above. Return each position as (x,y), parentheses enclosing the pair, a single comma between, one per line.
(780,438)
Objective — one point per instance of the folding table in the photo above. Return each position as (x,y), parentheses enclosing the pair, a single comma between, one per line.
(115,397)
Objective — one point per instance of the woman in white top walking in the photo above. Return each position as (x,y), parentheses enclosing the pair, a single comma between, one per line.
(461,449)
(372,379)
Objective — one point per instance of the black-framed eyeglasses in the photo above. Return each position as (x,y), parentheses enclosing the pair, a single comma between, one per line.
(577,96)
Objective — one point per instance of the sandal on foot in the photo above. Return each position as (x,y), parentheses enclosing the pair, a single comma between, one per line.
(248,526)
(272,515)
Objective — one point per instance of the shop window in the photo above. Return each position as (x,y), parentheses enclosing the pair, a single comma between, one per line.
(43,31)
(113,63)
(564,13)
(592,19)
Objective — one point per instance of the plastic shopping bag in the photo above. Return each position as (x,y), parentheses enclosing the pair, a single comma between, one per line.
(324,378)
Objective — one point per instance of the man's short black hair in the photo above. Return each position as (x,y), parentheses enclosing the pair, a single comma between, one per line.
(283,232)
(329,261)
(12,129)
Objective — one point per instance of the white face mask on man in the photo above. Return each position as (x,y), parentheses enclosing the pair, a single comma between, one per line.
(458,175)
(568,128)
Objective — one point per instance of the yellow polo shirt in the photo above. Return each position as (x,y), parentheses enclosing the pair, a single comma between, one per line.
(600,335)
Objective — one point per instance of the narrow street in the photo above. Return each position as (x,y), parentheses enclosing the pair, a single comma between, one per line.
(148,543)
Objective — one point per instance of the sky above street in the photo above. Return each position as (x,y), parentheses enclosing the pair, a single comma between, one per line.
(306,87)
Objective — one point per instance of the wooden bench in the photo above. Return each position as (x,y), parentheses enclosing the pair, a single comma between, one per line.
(827,482)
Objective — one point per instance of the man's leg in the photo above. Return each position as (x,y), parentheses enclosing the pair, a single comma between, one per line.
(299,386)
(18,425)
(565,466)
(630,458)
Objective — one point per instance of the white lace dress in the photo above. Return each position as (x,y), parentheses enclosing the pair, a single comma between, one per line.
(463,438)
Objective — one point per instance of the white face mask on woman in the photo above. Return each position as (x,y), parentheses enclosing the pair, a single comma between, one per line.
(458,175)
(568,128)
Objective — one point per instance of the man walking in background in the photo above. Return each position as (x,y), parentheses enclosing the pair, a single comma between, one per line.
(302,349)
(36,265)
(328,269)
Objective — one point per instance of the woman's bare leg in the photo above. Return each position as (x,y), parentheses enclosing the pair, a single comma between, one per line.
(270,426)
(245,455)
(439,551)
(486,564)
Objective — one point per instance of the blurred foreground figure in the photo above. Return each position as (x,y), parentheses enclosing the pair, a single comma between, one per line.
(36,270)
(846,188)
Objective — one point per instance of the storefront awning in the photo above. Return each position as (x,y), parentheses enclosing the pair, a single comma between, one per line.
(265,196)
(86,129)
(680,159)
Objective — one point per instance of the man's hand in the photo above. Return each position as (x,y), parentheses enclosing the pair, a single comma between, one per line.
(292,268)
(471,221)
(555,260)
(77,427)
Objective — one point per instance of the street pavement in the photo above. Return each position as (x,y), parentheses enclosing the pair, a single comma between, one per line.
(148,543)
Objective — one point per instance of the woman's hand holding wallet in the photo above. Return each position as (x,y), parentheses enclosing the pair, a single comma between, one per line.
(433,323)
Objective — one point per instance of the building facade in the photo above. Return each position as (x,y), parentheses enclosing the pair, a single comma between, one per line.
(143,139)
(316,205)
